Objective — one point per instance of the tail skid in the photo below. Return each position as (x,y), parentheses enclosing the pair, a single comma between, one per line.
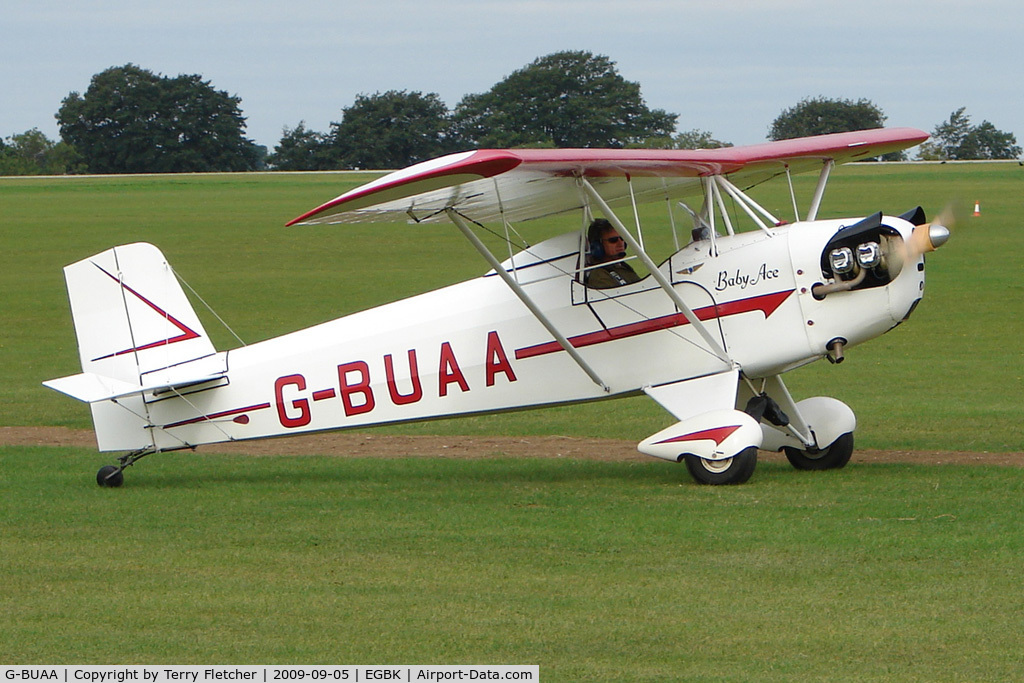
(137,333)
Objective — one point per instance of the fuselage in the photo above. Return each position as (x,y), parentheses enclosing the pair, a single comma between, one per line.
(474,347)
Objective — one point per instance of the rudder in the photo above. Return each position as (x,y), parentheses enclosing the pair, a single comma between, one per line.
(131,316)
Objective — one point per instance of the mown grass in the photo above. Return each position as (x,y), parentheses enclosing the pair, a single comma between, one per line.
(593,570)
(950,378)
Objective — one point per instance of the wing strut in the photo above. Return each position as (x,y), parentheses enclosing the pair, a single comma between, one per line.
(819,191)
(792,194)
(698,325)
(457,219)
(747,204)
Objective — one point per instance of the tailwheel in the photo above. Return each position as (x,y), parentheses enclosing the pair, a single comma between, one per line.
(831,458)
(110,476)
(734,470)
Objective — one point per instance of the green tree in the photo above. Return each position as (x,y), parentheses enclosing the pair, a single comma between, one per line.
(820,116)
(698,139)
(957,139)
(301,149)
(985,141)
(690,139)
(32,153)
(947,137)
(566,99)
(390,130)
(131,120)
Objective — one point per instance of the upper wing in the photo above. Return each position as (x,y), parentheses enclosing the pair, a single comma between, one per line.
(525,184)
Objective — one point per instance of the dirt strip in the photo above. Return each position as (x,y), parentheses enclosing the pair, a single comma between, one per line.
(356,444)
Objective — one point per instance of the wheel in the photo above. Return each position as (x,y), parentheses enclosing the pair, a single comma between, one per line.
(735,470)
(832,458)
(110,476)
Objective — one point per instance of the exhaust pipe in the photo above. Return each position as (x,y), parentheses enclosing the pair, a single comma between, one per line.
(820,291)
(835,350)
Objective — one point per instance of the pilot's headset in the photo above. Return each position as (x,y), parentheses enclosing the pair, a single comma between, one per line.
(597,228)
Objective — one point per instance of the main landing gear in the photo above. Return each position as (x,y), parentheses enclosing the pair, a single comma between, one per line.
(831,458)
(826,420)
(735,470)
(739,468)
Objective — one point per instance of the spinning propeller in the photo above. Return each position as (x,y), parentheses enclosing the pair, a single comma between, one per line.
(925,238)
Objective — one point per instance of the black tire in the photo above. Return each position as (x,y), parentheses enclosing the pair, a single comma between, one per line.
(735,470)
(832,458)
(110,476)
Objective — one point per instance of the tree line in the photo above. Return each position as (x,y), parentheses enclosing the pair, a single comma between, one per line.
(130,120)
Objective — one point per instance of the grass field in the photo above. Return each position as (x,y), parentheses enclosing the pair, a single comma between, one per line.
(593,570)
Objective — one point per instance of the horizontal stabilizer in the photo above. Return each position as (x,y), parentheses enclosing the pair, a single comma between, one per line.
(91,387)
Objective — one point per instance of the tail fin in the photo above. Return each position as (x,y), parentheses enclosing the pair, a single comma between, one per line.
(136,332)
(131,316)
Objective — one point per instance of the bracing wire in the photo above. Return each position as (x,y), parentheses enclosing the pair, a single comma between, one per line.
(208,307)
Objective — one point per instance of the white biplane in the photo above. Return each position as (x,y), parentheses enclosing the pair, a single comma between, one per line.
(707,333)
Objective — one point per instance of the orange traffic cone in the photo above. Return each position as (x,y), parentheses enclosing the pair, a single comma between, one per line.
(977,208)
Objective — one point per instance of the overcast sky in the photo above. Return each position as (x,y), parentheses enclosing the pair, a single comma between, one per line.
(728,67)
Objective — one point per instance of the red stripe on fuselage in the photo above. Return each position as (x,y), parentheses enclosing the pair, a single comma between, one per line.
(766,303)
(214,416)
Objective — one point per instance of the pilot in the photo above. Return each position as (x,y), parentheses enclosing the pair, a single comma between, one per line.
(606,245)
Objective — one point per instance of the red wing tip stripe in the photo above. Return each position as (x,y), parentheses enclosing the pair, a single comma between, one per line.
(215,416)
(484,163)
(717,434)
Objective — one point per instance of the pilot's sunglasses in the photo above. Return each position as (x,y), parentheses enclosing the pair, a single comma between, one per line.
(614,240)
